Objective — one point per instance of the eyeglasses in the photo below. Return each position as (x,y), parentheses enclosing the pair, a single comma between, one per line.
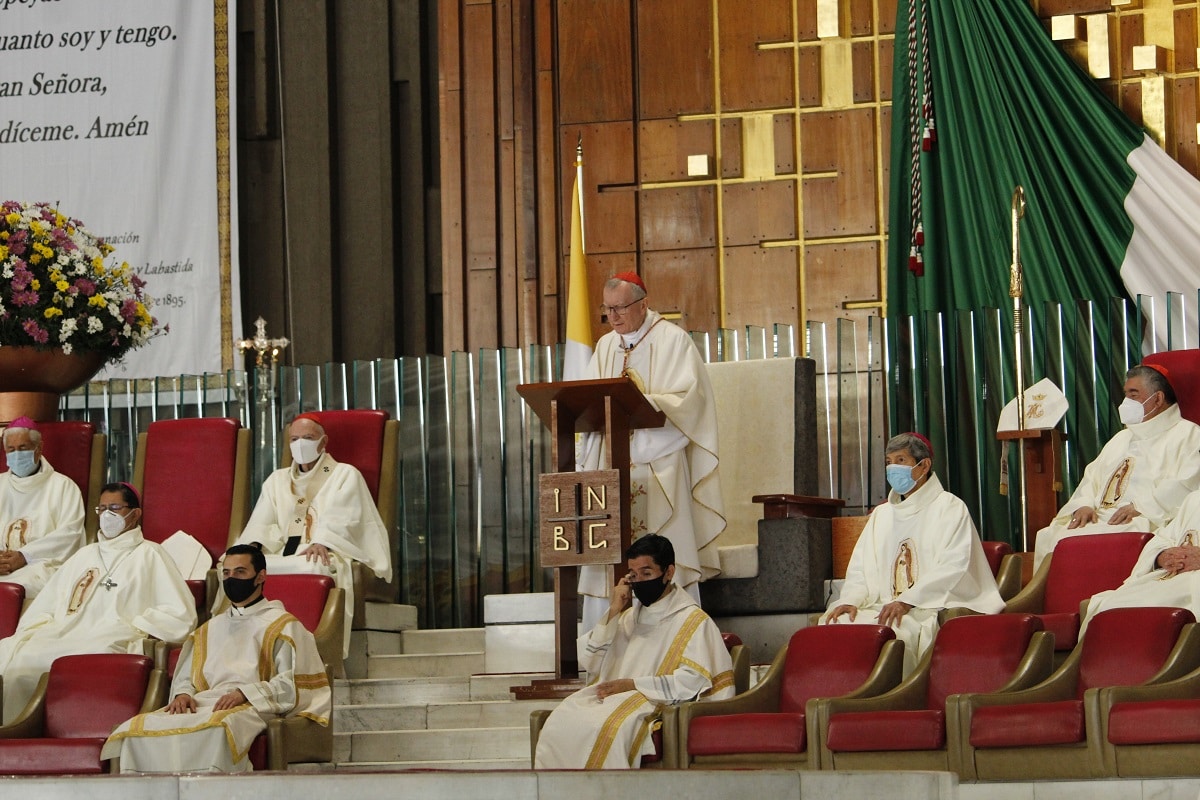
(616,311)
(113,507)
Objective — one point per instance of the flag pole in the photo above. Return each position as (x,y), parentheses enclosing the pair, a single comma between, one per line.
(1015,291)
(579,188)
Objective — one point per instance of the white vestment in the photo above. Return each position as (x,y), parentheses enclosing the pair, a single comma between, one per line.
(673,652)
(41,516)
(262,650)
(674,479)
(106,598)
(329,505)
(922,550)
(1147,584)
(1154,465)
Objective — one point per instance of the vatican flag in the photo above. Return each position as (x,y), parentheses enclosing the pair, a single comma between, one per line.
(578,350)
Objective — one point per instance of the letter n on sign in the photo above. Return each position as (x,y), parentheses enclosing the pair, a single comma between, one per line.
(580,518)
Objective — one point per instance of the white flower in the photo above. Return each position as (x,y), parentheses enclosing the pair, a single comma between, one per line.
(66,347)
(94,325)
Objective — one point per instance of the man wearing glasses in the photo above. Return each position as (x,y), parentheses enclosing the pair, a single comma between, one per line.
(41,511)
(674,482)
(106,598)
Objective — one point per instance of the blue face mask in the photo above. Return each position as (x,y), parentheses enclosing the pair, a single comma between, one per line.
(899,477)
(22,463)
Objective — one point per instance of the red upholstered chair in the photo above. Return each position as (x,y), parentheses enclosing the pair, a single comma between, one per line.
(77,451)
(74,709)
(1044,731)
(1005,566)
(1078,568)
(769,726)
(913,726)
(366,439)
(319,606)
(12,600)
(194,476)
(1148,731)
(1184,366)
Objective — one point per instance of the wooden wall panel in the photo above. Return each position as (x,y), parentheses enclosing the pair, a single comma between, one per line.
(886,58)
(1131,101)
(665,144)
(684,282)
(887,16)
(785,144)
(675,73)
(450,174)
(839,273)
(862,17)
(610,204)
(731,148)
(600,269)
(1132,28)
(595,46)
(1185,39)
(1051,8)
(1183,131)
(806,20)
(761,286)
(755,212)
(862,60)
(845,204)
(480,179)
(753,78)
(677,219)
(809,66)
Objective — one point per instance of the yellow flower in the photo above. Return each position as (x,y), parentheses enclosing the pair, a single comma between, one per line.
(3,252)
(98,301)
(13,218)
(35,259)
(35,284)
(62,286)
(36,227)
(50,313)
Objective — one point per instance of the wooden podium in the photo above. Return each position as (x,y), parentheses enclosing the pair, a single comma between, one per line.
(578,524)
(1042,480)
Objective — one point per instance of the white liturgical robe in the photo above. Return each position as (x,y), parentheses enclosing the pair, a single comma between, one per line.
(42,517)
(673,652)
(1154,465)
(262,650)
(922,550)
(1147,584)
(674,478)
(106,598)
(329,505)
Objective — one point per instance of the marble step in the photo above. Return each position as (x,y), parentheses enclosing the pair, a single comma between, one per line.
(448,745)
(425,665)
(389,617)
(456,640)
(456,766)
(434,716)
(416,691)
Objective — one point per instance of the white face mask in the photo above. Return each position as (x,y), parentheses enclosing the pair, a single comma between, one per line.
(112,524)
(306,451)
(1131,411)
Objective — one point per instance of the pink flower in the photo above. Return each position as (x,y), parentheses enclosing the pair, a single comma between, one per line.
(85,287)
(29,298)
(129,310)
(35,331)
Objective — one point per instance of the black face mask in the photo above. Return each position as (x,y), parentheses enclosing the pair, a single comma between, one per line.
(648,591)
(238,589)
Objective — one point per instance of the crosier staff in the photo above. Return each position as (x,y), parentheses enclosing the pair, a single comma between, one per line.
(1015,291)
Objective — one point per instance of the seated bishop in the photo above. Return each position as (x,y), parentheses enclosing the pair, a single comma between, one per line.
(41,511)
(251,663)
(1141,476)
(917,554)
(317,516)
(107,598)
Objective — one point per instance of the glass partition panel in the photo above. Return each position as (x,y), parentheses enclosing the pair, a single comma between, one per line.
(488,484)
(439,524)
(538,453)
(756,342)
(414,512)
(700,339)
(312,390)
(821,351)
(1177,324)
(364,383)
(336,387)
(853,385)
(875,487)
(514,440)
(464,529)
(785,340)
(727,345)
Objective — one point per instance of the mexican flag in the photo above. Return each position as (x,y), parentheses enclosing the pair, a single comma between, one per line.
(984,101)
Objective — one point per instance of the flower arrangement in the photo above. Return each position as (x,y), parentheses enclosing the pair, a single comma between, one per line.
(57,292)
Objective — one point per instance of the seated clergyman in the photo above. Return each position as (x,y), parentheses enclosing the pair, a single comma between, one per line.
(919,553)
(317,516)
(107,598)
(41,511)
(252,662)
(1141,476)
(660,650)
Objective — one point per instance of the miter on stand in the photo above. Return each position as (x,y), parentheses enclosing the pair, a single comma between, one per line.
(1038,438)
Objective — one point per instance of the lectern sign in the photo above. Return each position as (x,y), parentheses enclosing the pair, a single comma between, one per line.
(580,518)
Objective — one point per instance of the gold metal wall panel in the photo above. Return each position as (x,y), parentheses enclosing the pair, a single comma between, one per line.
(752,78)
(837,74)
(1099,55)
(678,218)
(675,73)
(689,279)
(758,146)
(595,61)
(610,214)
(760,211)
(829,19)
(842,205)
(665,144)
(761,284)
